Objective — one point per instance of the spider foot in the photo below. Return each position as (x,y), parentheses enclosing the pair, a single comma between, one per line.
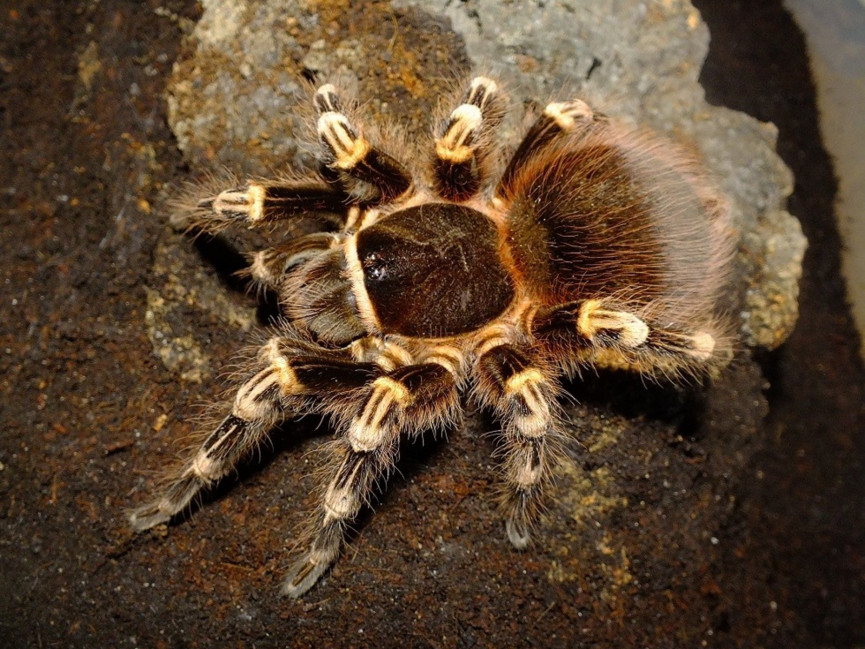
(147,516)
(164,509)
(304,574)
(518,533)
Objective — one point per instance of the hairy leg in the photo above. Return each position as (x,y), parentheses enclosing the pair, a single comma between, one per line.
(262,202)
(287,372)
(368,174)
(559,119)
(464,142)
(522,393)
(407,399)
(610,334)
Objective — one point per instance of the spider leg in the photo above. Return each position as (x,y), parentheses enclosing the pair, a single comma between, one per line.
(368,174)
(557,120)
(464,143)
(523,395)
(610,335)
(269,267)
(260,202)
(288,373)
(408,399)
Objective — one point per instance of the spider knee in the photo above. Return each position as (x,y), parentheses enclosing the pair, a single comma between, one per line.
(484,93)
(258,399)
(567,114)
(255,399)
(262,269)
(627,329)
(327,99)
(242,203)
(480,110)
(521,392)
(380,415)
(526,389)
(457,145)
(464,142)
(347,147)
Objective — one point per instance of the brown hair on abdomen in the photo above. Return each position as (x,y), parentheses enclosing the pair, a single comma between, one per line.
(609,214)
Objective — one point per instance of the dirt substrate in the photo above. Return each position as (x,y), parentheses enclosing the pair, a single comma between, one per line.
(87,407)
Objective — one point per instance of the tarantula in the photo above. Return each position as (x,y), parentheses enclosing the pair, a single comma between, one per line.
(597,245)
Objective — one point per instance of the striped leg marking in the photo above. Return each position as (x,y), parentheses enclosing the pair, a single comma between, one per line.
(348,490)
(257,203)
(464,141)
(523,399)
(409,399)
(256,409)
(369,174)
(594,321)
(592,324)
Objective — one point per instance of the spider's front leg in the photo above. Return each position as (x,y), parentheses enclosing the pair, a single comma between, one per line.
(288,372)
(368,174)
(558,120)
(407,399)
(356,172)
(464,143)
(522,393)
(269,267)
(262,202)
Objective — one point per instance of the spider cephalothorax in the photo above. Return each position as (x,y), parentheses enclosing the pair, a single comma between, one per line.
(595,245)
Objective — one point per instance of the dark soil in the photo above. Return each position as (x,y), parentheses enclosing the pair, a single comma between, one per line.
(86,407)
(805,520)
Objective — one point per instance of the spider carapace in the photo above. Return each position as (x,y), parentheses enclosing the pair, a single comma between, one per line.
(459,272)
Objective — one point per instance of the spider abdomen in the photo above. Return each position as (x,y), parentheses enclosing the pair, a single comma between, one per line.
(608,213)
(434,270)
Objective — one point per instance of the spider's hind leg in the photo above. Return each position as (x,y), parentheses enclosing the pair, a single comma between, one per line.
(263,202)
(256,409)
(610,335)
(557,120)
(287,373)
(409,399)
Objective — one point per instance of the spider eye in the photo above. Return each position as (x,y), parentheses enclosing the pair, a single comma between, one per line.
(374,267)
